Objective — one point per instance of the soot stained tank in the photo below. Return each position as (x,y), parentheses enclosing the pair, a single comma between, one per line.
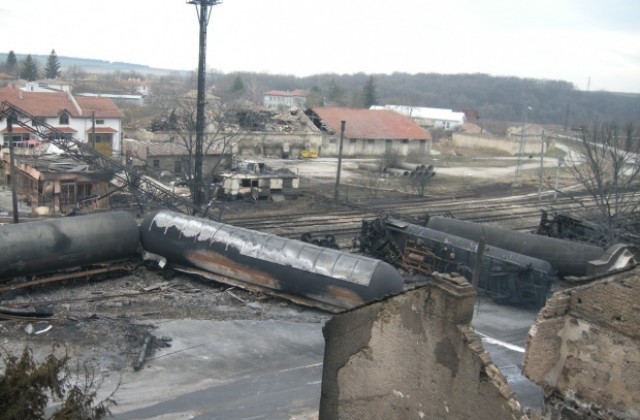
(325,275)
(567,258)
(55,244)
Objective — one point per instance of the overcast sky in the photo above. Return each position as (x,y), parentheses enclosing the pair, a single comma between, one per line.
(573,40)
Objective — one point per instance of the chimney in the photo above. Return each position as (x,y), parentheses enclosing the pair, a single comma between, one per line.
(75,104)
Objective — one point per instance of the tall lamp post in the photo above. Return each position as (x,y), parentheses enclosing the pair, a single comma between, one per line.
(203,10)
(521,145)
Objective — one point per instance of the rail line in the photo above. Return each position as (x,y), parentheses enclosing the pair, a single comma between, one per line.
(344,221)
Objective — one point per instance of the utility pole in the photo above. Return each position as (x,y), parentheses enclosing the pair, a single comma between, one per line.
(12,171)
(541,166)
(342,124)
(203,10)
(521,145)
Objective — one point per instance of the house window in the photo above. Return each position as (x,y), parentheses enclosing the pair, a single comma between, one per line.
(99,122)
(37,121)
(67,193)
(353,140)
(178,167)
(64,119)
(156,163)
(83,191)
(19,140)
(405,141)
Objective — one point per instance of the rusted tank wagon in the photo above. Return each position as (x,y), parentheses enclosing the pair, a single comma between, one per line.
(56,244)
(255,259)
(503,275)
(567,258)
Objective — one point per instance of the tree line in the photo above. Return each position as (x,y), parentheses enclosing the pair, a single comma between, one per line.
(494,98)
(29,69)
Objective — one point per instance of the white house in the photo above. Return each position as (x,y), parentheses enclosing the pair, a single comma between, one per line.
(277,99)
(446,119)
(96,121)
(47,86)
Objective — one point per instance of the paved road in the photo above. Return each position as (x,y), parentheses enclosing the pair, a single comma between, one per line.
(273,369)
(504,329)
(226,370)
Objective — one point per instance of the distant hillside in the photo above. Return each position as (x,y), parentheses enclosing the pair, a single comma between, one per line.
(92,65)
(494,98)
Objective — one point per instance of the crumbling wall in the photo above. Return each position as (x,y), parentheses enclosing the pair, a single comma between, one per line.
(584,350)
(509,145)
(413,355)
(273,144)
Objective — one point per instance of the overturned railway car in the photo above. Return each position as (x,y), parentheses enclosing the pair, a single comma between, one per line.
(334,279)
(567,258)
(504,275)
(52,245)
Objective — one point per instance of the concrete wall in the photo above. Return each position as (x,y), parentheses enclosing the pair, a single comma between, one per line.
(412,356)
(584,350)
(531,145)
(374,147)
(274,144)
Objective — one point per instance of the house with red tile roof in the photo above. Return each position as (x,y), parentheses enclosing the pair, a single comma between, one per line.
(93,120)
(370,132)
(280,99)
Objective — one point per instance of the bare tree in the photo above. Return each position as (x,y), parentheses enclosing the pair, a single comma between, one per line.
(421,178)
(220,134)
(606,163)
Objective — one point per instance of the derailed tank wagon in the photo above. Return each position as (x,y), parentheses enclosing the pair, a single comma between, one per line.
(70,243)
(303,272)
(567,258)
(504,275)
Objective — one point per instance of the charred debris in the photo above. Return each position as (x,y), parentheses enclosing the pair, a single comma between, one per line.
(394,255)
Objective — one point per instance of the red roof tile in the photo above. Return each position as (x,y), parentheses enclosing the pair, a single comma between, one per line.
(51,104)
(102,130)
(372,124)
(103,107)
(16,130)
(66,130)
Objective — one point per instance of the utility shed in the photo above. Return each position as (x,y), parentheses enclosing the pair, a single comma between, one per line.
(370,132)
(173,159)
(413,356)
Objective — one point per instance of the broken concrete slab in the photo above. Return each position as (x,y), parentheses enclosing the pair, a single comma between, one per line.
(584,350)
(413,355)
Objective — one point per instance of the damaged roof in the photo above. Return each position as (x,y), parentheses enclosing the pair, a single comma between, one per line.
(370,124)
(56,164)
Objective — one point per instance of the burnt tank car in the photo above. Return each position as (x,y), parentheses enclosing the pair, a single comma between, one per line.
(505,276)
(56,244)
(567,258)
(337,279)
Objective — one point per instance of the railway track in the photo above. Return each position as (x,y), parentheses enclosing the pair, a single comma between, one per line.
(343,221)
